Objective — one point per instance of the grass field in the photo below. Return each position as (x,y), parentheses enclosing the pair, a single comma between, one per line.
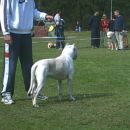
(100,86)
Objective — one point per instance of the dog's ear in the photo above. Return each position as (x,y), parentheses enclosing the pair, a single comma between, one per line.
(73,44)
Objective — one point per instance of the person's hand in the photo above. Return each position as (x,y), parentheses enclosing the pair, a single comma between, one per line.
(49,17)
(8,39)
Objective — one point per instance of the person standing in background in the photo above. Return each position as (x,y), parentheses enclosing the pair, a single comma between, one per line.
(112,40)
(59,30)
(78,27)
(104,25)
(94,24)
(17,22)
(119,27)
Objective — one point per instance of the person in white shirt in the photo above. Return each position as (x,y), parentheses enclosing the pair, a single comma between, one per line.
(16,23)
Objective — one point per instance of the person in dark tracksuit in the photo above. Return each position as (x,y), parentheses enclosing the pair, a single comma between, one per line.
(60,34)
(94,24)
(16,23)
(59,30)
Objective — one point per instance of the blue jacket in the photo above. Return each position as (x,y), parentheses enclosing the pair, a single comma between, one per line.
(94,22)
(119,23)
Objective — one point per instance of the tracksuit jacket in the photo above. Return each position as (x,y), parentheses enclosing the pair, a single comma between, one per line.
(18,16)
(119,24)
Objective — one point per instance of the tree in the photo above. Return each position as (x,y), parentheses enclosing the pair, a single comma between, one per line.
(73,10)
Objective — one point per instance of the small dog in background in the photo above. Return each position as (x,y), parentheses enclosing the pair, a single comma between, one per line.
(51,45)
(111,41)
(59,68)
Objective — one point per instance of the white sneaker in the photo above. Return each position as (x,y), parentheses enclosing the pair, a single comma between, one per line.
(42,97)
(7,99)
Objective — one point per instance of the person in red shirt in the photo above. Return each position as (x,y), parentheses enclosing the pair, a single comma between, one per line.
(104,26)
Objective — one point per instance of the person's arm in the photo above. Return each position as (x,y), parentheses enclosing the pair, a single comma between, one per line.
(41,15)
(57,19)
(90,22)
(5,7)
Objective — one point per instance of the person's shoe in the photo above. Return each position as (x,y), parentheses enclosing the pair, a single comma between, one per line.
(7,99)
(39,97)
(42,97)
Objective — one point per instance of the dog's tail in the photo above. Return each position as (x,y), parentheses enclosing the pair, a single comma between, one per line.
(33,80)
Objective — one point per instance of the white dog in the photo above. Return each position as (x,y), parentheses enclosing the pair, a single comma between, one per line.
(59,68)
(111,43)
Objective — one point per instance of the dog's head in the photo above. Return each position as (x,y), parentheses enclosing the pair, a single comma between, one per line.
(110,34)
(70,49)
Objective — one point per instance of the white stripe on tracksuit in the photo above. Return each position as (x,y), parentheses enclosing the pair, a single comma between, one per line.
(6,71)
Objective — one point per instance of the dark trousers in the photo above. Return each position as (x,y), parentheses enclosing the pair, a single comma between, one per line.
(20,48)
(95,38)
(60,37)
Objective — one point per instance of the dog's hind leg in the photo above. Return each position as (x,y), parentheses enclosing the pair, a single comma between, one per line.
(112,46)
(40,84)
(59,86)
(116,47)
(38,89)
(69,82)
(33,80)
(32,88)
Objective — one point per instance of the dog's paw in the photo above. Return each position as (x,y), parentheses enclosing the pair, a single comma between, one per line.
(36,105)
(72,98)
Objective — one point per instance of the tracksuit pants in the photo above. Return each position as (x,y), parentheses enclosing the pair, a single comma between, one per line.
(60,37)
(20,48)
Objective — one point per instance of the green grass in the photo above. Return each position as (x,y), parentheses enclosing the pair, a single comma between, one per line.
(100,85)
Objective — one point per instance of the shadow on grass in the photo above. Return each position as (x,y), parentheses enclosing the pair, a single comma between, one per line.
(93,95)
(65,99)
(78,97)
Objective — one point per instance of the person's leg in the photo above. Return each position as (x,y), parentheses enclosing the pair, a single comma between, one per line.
(63,39)
(26,59)
(117,39)
(102,38)
(10,62)
(105,39)
(121,41)
(92,38)
(58,39)
(97,38)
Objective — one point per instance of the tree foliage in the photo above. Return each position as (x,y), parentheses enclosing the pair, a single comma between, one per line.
(81,10)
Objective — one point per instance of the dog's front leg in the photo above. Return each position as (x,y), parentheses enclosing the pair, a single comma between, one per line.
(69,81)
(34,100)
(59,86)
